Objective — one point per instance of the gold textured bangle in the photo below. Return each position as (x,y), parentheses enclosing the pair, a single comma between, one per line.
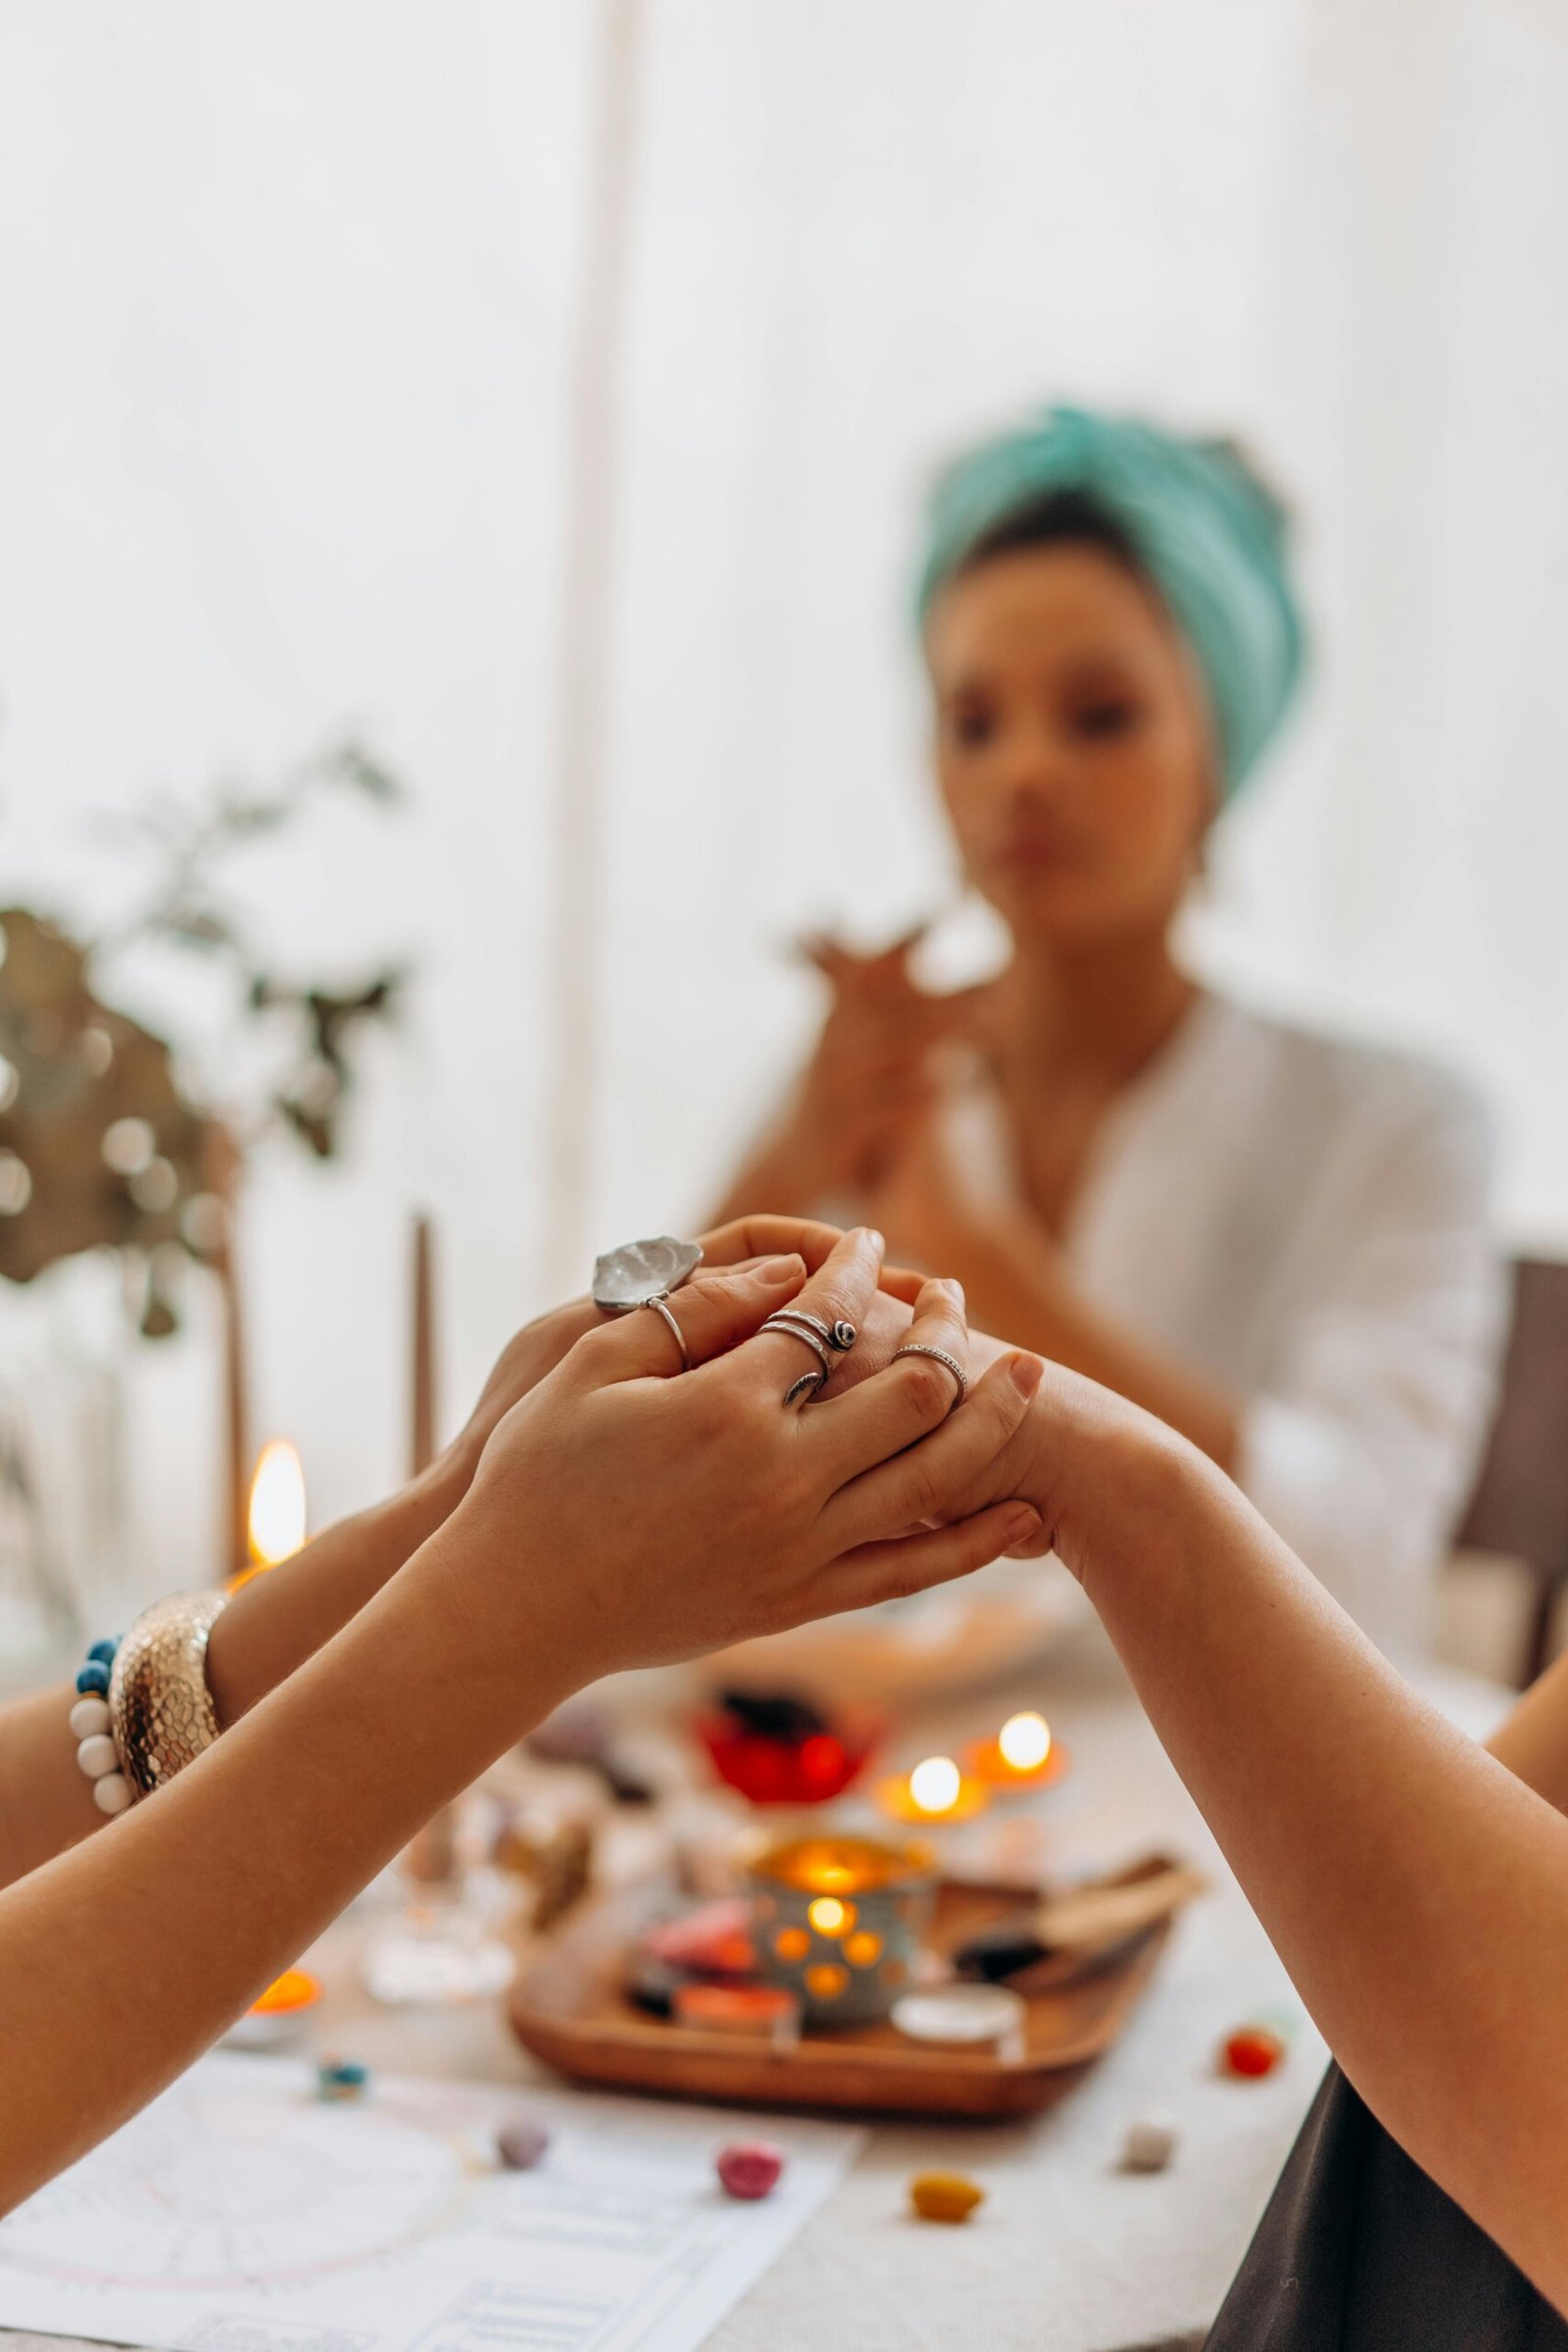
(161,1711)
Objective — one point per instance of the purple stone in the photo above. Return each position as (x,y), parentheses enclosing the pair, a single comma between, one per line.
(520,2143)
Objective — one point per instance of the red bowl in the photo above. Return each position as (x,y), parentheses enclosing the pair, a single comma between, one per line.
(787,1772)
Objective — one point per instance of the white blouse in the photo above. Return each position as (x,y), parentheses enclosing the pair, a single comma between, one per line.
(1306,1219)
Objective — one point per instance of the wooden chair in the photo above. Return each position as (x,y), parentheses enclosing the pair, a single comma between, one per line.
(1520,1503)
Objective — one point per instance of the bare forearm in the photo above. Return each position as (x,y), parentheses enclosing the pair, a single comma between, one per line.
(164,1927)
(1533,1741)
(1418,1893)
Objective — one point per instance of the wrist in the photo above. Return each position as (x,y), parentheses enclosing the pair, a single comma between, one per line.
(1127,1485)
(509,1607)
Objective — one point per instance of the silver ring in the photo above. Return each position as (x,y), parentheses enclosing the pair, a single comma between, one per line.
(839,1336)
(807,1338)
(941,1356)
(660,1306)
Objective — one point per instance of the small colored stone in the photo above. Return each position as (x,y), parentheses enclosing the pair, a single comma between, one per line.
(520,2143)
(944,2196)
(1253,2051)
(340,2078)
(1151,2142)
(93,1679)
(748,2168)
(102,1653)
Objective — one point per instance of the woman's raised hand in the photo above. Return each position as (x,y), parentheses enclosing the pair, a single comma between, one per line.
(631,1516)
(869,1081)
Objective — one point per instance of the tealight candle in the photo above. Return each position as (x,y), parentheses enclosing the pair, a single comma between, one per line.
(1022,1755)
(837,1922)
(935,1791)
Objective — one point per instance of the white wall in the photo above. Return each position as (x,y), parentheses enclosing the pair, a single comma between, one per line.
(286,298)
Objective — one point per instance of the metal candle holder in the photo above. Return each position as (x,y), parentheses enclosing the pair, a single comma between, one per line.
(837,1921)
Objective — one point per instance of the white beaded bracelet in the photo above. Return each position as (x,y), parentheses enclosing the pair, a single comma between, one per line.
(96,1752)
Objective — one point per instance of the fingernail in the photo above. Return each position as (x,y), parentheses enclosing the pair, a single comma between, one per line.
(1026,1372)
(955,1290)
(776,1271)
(1020,1525)
(875,1240)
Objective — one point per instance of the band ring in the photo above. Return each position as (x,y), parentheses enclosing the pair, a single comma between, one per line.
(812,1381)
(941,1356)
(660,1306)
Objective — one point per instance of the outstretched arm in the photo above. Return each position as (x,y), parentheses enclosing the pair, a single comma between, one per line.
(1415,1888)
(276,1621)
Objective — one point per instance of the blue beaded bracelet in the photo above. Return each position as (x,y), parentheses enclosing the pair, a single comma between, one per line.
(90,1728)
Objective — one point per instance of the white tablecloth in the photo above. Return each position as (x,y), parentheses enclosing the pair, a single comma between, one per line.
(1069,2253)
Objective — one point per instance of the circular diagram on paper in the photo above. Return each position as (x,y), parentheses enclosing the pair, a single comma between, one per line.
(219,2189)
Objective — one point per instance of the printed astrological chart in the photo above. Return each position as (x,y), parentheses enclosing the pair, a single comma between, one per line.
(239,2214)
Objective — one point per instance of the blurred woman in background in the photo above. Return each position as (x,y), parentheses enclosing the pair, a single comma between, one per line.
(1273,1239)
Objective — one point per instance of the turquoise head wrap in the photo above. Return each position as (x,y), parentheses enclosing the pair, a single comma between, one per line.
(1207,531)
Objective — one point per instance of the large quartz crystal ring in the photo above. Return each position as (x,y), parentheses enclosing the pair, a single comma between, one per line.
(643,1273)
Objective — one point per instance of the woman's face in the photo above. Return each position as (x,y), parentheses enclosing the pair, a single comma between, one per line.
(1073,744)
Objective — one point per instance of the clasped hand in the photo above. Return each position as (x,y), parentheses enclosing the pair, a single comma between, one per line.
(637,1517)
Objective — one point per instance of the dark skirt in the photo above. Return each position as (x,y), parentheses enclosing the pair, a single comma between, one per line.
(1360,2251)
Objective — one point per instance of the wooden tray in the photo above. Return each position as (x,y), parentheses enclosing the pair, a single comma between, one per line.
(569,2009)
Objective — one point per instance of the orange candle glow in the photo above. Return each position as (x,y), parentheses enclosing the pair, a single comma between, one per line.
(295,1989)
(1022,1755)
(935,1791)
(277,1505)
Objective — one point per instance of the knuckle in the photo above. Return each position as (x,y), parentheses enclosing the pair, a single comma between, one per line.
(901,1583)
(590,1352)
(827,1299)
(927,1386)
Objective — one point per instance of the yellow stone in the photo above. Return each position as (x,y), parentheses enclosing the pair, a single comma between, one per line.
(944,2196)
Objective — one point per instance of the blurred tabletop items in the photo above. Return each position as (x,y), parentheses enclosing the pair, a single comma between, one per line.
(1120,2200)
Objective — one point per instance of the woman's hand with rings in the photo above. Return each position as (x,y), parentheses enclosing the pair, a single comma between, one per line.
(629,1516)
(535,1351)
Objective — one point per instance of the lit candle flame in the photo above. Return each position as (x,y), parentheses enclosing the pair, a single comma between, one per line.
(934,1785)
(1024,1741)
(278,1504)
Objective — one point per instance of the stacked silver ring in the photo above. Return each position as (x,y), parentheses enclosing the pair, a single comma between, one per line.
(825,1339)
